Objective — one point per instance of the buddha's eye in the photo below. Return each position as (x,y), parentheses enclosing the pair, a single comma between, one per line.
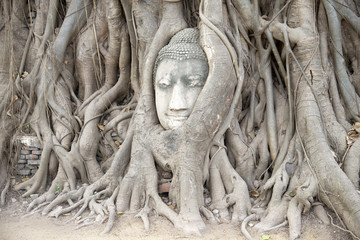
(164,83)
(196,81)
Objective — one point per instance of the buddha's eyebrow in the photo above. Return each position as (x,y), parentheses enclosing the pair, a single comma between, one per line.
(194,77)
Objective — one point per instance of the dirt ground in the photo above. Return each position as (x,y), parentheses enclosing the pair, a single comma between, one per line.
(37,227)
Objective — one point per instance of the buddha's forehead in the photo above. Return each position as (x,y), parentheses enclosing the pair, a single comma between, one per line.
(186,66)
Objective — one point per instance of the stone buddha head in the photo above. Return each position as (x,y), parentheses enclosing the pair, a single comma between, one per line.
(180,72)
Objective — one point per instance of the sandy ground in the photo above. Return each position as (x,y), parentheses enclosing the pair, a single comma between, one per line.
(37,227)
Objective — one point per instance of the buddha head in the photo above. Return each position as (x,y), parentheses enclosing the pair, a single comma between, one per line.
(180,72)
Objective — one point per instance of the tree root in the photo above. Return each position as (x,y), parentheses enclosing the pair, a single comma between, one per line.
(224,178)
(321,213)
(4,191)
(110,203)
(249,218)
(35,210)
(352,163)
(144,215)
(64,196)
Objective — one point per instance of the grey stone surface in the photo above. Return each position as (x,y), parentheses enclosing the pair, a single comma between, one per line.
(32,166)
(24,172)
(34,162)
(30,141)
(20,166)
(22,161)
(36,152)
(30,148)
(32,157)
(33,196)
(24,152)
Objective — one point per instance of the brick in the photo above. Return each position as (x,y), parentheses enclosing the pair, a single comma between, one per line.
(22,157)
(30,148)
(24,172)
(37,152)
(24,152)
(32,157)
(20,166)
(34,162)
(22,161)
(164,187)
(32,166)
(33,171)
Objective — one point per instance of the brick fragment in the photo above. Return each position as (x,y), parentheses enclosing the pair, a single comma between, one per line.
(36,152)
(32,157)
(34,162)
(30,148)
(164,187)
(25,152)
(32,166)
(22,161)
(33,171)
(20,166)
(24,172)
(22,157)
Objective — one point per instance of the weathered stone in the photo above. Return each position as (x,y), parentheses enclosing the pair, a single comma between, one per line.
(37,152)
(32,166)
(30,141)
(20,166)
(33,196)
(25,152)
(24,172)
(34,162)
(22,161)
(32,157)
(22,157)
(30,148)
(33,171)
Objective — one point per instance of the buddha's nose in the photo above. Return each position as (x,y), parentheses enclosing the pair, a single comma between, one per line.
(178,98)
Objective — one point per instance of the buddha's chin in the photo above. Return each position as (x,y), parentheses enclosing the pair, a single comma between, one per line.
(174,123)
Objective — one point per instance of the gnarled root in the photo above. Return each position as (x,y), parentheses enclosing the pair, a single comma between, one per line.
(4,191)
(228,189)
(352,163)
(300,203)
(276,210)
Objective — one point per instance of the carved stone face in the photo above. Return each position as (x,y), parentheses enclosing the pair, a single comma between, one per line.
(178,84)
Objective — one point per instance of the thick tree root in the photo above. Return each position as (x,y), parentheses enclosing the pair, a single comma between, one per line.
(249,218)
(64,197)
(4,192)
(224,179)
